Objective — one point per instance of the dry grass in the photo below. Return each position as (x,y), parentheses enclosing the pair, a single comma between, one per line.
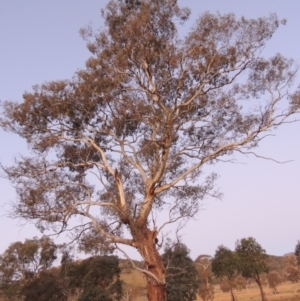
(136,281)
(134,278)
(286,292)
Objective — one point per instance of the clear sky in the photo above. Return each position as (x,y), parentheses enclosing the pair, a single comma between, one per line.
(39,41)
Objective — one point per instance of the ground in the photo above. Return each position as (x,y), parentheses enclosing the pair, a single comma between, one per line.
(287,291)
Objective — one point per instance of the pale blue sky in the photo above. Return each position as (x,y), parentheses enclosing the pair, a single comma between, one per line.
(39,41)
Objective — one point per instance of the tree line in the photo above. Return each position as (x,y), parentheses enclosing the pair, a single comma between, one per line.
(234,270)
(27,272)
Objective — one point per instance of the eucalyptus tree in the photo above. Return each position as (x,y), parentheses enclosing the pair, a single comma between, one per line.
(206,288)
(126,139)
(101,280)
(274,279)
(45,287)
(252,261)
(225,265)
(292,271)
(181,273)
(23,261)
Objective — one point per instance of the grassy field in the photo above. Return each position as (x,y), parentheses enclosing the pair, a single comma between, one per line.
(286,292)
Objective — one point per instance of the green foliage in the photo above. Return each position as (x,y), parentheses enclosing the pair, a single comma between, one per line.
(297,251)
(24,271)
(97,278)
(252,258)
(182,276)
(11,291)
(22,261)
(45,287)
(225,263)
(93,243)
(252,261)
(94,294)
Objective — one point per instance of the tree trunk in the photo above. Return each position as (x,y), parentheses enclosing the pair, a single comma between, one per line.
(233,297)
(146,245)
(263,295)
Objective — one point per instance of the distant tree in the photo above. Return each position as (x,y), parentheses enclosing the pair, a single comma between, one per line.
(68,281)
(206,289)
(11,292)
(225,265)
(297,251)
(101,280)
(292,268)
(127,137)
(181,274)
(45,287)
(240,282)
(22,261)
(277,264)
(252,261)
(225,285)
(274,279)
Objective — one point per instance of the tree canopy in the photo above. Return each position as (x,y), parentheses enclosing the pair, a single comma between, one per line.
(225,264)
(252,261)
(128,136)
(21,262)
(26,272)
(206,289)
(297,251)
(101,280)
(274,279)
(45,287)
(292,268)
(181,273)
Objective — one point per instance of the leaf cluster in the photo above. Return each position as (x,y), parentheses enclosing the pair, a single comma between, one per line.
(96,277)
(252,257)
(22,262)
(181,274)
(225,263)
(25,272)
